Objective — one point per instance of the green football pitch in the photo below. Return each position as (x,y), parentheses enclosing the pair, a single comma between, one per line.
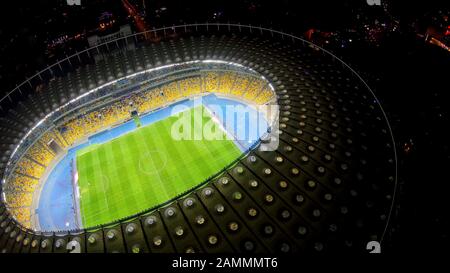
(145,168)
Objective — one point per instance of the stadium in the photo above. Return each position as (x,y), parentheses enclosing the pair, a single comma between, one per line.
(302,157)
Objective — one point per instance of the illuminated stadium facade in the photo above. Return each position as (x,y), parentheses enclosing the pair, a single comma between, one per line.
(328,185)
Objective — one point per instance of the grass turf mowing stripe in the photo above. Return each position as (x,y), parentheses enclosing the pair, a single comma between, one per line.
(145,168)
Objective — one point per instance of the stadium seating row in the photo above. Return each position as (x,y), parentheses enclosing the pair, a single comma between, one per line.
(23,215)
(19,199)
(40,153)
(223,82)
(21,183)
(53,135)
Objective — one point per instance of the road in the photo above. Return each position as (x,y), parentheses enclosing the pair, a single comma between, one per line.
(139,22)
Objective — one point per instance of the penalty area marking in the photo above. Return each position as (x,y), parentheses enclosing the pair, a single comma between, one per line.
(104,180)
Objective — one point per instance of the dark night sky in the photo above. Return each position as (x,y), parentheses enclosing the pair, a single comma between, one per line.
(26,26)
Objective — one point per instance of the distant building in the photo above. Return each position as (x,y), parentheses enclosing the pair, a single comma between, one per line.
(96,39)
(99,39)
